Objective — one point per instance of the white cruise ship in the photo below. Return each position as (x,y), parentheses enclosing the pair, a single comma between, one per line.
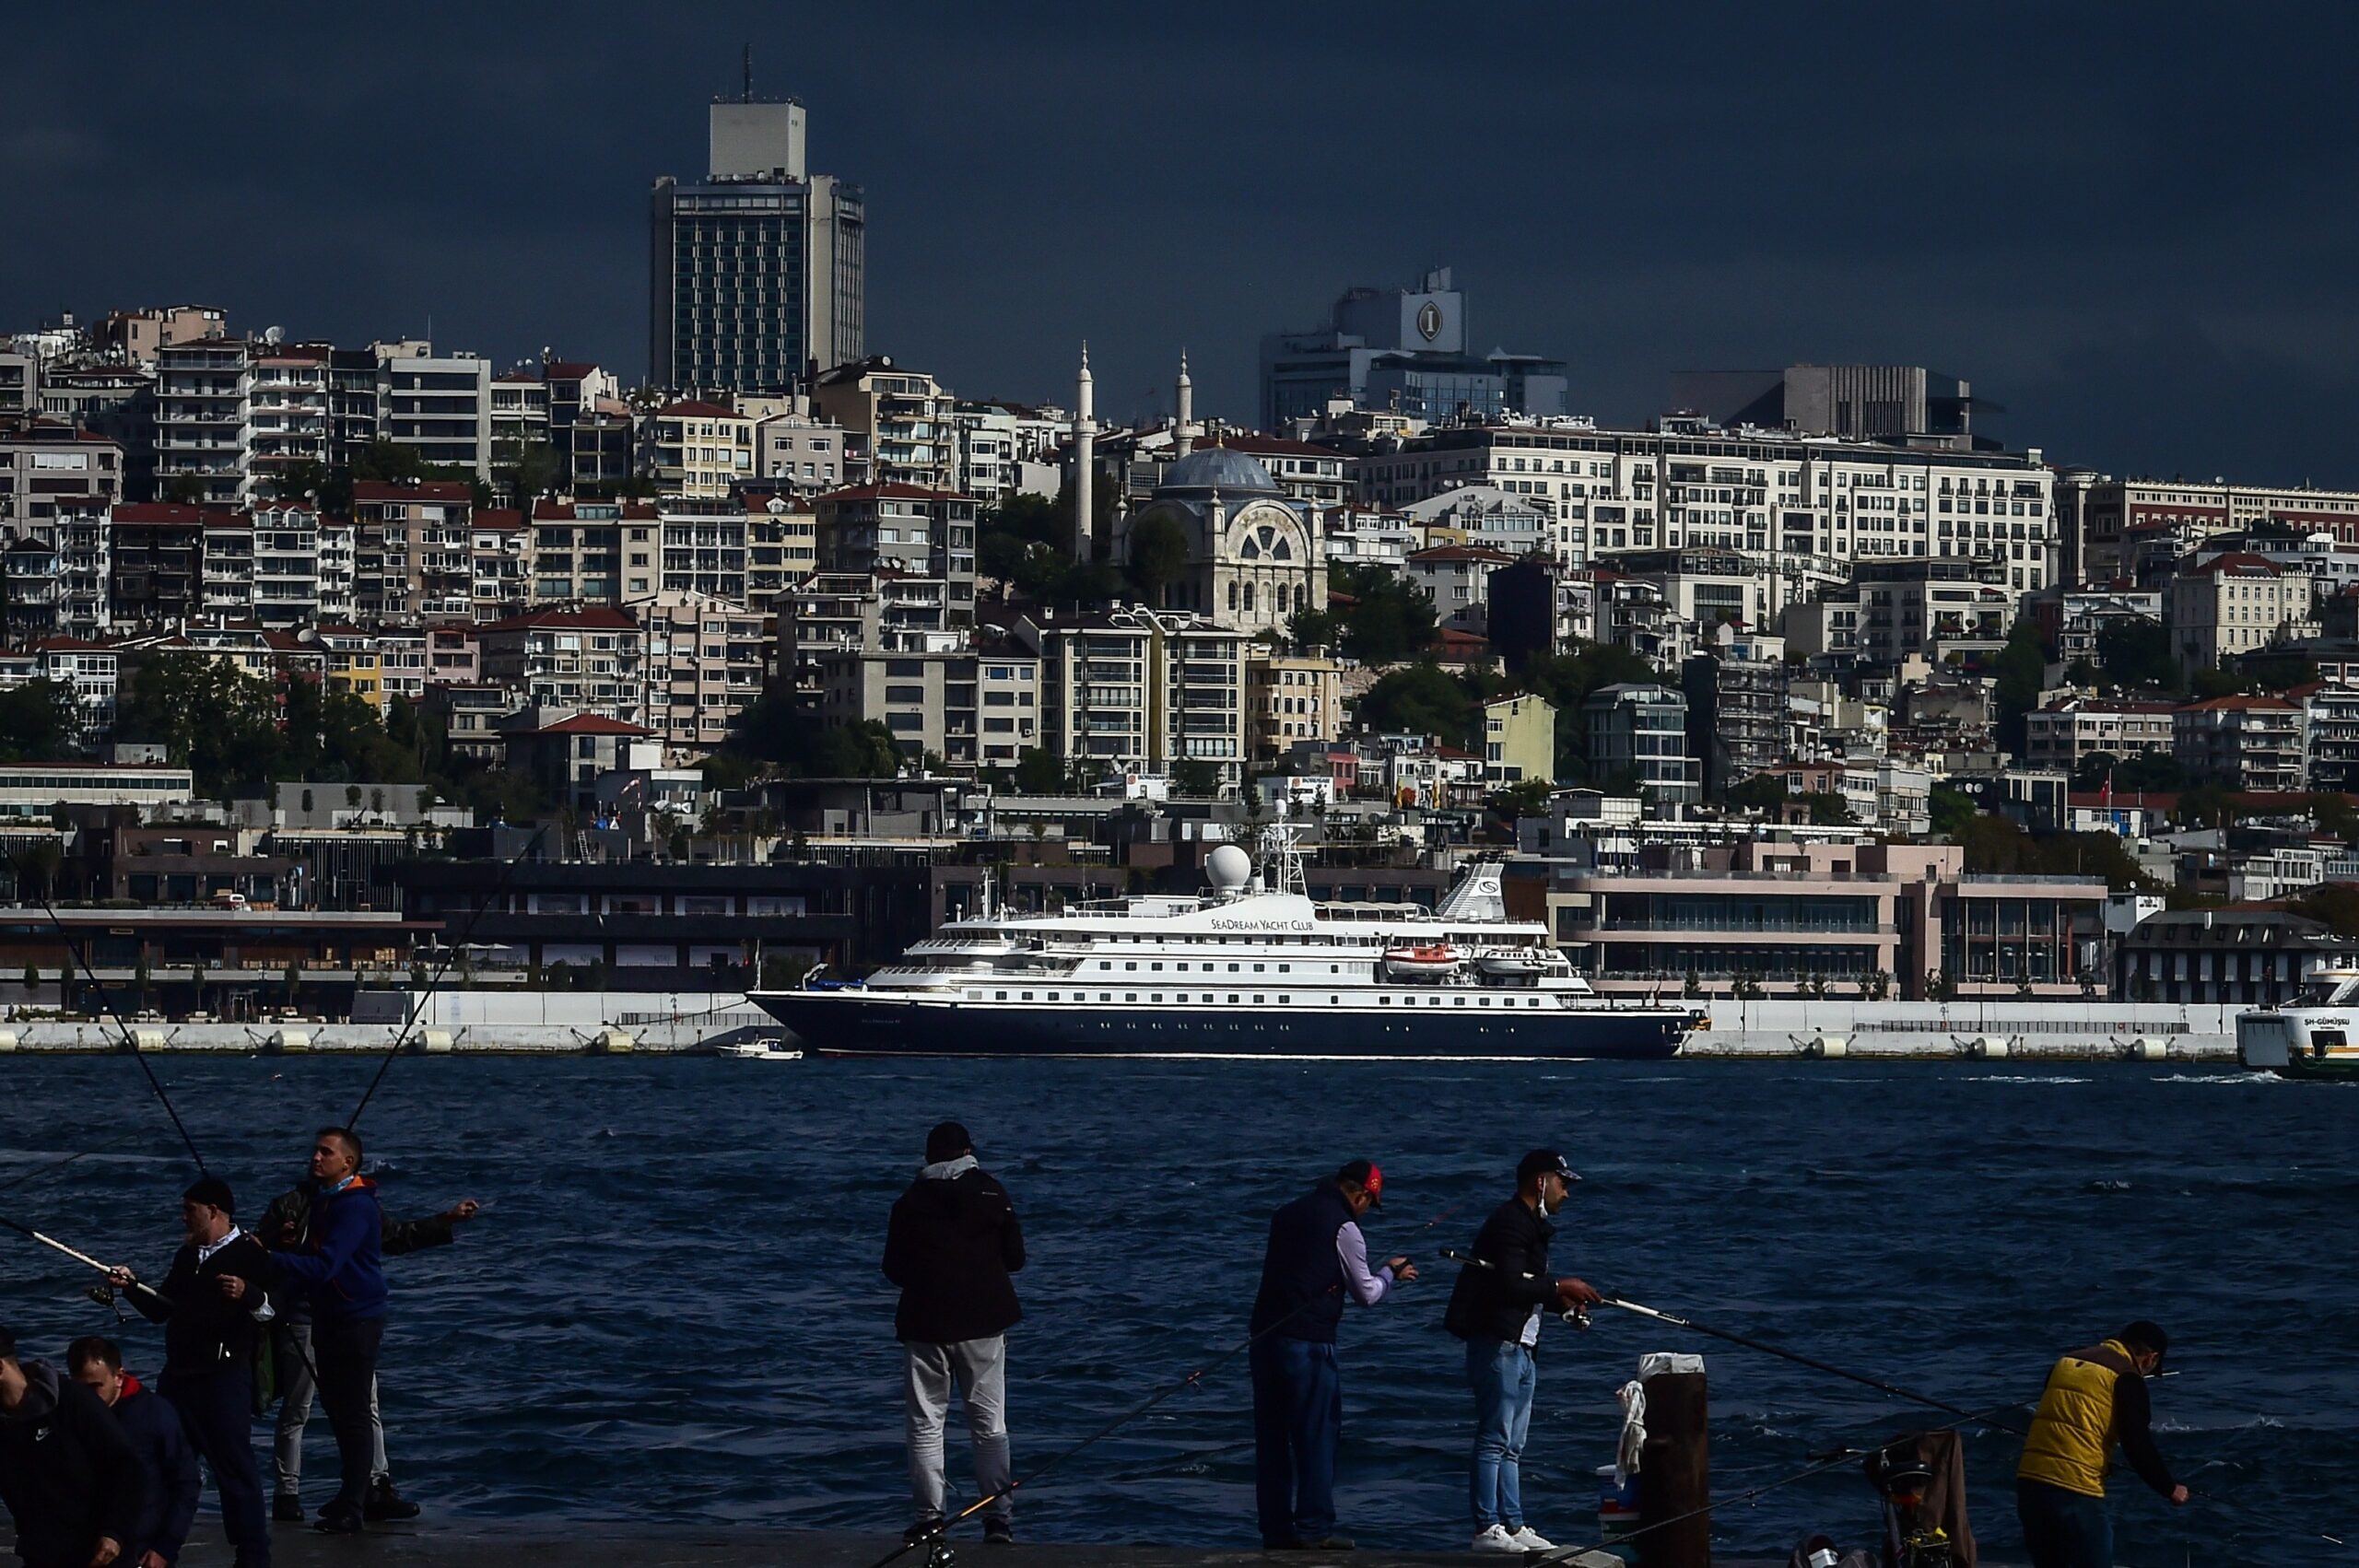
(1251,967)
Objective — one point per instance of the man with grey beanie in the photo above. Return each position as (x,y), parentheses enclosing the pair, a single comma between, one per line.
(951,1244)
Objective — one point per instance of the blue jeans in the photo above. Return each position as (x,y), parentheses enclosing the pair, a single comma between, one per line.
(1504,1381)
(216,1408)
(1298,1426)
(2063,1529)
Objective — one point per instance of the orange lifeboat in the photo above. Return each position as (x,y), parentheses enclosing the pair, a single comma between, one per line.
(1423,961)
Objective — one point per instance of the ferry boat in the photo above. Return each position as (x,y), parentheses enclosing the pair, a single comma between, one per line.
(1253,967)
(2313,1038)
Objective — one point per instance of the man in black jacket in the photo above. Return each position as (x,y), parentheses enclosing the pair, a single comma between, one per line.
(951,1244)
(73,1482)
(154,1428)
(1495,1309)
(212,1306)
(286,1224)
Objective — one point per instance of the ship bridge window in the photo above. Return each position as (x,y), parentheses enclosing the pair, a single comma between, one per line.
(1027,996)
(1285,968)
(1257,1001)
(1384,1001)
(1454,1001)
(1105,996)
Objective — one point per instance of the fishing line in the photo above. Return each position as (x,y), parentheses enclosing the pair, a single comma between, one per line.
(80,1257)
(52,1167)
(434,983)
(130,1041)
(1895,1389)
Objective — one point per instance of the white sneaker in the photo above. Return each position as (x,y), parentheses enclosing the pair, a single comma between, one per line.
(1529,1540)
(1496,1539)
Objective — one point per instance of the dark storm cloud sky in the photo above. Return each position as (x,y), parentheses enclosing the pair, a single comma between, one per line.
(2134,227)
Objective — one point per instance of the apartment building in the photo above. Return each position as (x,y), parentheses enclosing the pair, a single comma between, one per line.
(1457,578)
(696,449)
(2105,515)
(1802,918)
(1001,449)
(454,655)
(879,612)
(500,551)
(1639,732)
(973,708)
(201,429)
(802,455)
(1138,690)
(897,422)
(590,660)
(286,541)
(2330,737)
(155,563)
(1519,741)
(903,528)
(705,660)
(1800,510)
(1737,724)
(2244,742)
(289,426)
(48,469)
(438,406)
(699,548)
(576,549)
(1315,476)
(2232,605)
(1933,606)
(782,547)
(1290,698)
(354,668)
(520,413)
(2082,725)
(414,549)
(227,574)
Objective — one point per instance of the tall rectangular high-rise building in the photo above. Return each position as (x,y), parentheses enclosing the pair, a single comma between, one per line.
(757,275)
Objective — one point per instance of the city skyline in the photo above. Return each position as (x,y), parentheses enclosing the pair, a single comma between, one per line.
(2134,251)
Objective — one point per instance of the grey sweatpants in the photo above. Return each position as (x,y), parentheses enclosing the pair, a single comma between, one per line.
(296,1394)
(980,1369)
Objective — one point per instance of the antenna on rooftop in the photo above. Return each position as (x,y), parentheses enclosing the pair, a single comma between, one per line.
(749,70)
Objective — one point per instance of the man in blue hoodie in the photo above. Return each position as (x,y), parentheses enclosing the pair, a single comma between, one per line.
(154,1428)
(343,1273)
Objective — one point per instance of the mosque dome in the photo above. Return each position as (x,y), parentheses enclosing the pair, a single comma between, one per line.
(1219,468)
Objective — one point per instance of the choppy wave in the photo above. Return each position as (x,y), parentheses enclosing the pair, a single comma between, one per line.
(673,1298)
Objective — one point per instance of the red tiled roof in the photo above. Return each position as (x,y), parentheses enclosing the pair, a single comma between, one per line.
(569,370)
(597,618)
(499,517)
(2228,704)
(1463,552)
(893,490)
(2241,563)
(590,724)
(694,409)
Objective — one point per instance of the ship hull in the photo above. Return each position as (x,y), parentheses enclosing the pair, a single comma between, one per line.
(849,1023)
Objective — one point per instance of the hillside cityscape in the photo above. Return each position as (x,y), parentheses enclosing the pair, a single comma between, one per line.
(1812,685)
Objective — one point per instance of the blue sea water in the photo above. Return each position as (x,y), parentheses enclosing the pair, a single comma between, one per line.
(670,1308)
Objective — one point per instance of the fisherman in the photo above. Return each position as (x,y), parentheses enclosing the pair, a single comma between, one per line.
(1316,1257)
(155,1429)
(72,1481)
(341,1268)
(951,1244)
(212,1305)
(1495,1309)
(286,1224)
(2094,1398)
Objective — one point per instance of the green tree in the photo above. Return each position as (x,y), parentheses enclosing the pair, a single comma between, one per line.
(1953,810)
(1826,808)
(1157,551)
(2135,651)
(221,723)
(1386,618)
(1200,781)
(1762,792)
(2021,668)
(864,750)
(1420,699)
(39,722)
(1040,772)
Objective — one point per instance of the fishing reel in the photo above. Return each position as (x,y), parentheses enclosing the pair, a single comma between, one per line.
(1928,1547)
(940,1554)
(1577,1316)
(105,1296)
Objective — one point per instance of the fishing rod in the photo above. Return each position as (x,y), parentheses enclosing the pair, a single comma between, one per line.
(82,1257)
(52,1167)
(130,1040)
(434,983)
(934,1537)
(1578,1316)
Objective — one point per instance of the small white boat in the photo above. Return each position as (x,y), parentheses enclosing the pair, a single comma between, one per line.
(770,1047)
(1509,966)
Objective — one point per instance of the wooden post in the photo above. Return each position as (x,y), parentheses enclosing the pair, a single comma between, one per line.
(1675,1473)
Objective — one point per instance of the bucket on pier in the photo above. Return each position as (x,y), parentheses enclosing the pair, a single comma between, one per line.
(1617,1514)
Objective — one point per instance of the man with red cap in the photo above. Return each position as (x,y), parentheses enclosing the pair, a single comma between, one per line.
(1315,1258)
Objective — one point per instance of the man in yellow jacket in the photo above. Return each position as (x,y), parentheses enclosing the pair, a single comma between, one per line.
(2094,1398)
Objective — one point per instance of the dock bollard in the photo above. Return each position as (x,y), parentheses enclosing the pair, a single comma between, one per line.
(1675,1472)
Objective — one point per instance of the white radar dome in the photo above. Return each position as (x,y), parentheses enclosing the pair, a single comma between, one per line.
(1229,867)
